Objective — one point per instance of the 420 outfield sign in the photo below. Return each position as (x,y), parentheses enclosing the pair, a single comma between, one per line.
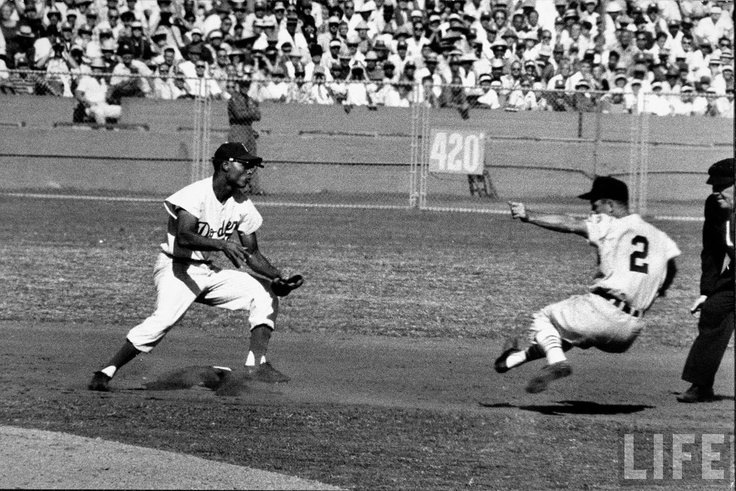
(454,151)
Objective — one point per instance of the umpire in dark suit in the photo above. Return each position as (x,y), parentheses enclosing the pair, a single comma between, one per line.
(716,301)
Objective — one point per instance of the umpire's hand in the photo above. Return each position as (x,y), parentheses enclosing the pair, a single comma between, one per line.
(698,305)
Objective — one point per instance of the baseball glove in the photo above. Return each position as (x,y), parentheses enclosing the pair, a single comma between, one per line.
(283,286)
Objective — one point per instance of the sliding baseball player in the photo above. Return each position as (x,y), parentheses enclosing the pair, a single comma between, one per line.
(635,265)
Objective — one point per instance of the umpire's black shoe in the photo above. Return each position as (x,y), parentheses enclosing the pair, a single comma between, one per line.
(548,374)
(510,346)
(265,372)
(697,393)
(100,382)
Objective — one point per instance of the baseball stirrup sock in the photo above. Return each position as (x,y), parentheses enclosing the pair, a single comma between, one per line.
(549,340)
(533,352)
(250,361)
(515,359)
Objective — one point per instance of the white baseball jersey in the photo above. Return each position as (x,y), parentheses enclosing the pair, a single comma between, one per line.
(632,255)
(214,219)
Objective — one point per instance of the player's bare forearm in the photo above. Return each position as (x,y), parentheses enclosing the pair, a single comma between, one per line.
(558,223)
(256,260)
(195,242)
(260,264)
(188,237)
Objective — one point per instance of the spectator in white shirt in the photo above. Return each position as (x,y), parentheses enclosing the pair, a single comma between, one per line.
(398,94)
(710,27)
(489,97)
(724,104)
(656,103)
(703,100)
(319,92)
(276,88)
(204,85)
(92,91)
(131,72)
(357,90)
(683,106)
(523,98)
(163,83)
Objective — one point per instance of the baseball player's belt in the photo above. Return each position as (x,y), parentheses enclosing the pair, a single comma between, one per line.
(186,260)
(618,303)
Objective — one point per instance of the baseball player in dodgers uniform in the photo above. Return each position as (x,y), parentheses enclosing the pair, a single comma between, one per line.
(636,264)
(205,217)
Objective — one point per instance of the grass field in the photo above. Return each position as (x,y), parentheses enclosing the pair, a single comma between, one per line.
(387,272)
(389,341)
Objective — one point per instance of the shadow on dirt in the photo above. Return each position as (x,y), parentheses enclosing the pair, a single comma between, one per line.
(575,407)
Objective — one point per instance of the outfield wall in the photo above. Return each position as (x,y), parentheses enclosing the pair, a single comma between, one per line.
(311,149)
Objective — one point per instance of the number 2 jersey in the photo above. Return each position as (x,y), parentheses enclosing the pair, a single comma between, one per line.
(214,219)
(632,257)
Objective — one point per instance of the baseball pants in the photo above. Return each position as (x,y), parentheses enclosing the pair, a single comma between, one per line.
(589,321)
(714,331)
(179,284)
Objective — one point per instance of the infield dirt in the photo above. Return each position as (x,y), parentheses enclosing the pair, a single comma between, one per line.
(367,412)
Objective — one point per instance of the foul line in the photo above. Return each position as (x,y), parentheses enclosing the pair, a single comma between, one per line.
(80,197)
(158,200)
(294,204)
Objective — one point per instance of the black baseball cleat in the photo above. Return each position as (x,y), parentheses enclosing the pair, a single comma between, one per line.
(100,382)
(510,346)
(548,374)
(265,372)
(697,393)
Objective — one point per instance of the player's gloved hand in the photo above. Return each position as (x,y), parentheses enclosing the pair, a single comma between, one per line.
(283,286)
(698,305)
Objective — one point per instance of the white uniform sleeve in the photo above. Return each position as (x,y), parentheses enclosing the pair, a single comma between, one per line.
(188,198)
(671,250)
(598,226)
(251,219)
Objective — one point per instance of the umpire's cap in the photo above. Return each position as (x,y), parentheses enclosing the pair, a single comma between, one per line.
(606,187)
(721,173)
(232,151)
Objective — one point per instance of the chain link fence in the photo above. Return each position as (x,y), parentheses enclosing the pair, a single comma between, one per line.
(501,92)
(538,142)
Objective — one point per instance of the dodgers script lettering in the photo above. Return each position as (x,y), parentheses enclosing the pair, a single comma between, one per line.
(225,231)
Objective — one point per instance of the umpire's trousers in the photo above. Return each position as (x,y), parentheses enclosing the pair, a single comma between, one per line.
(714,331)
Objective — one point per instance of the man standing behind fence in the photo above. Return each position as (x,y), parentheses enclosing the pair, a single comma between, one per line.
(242,111)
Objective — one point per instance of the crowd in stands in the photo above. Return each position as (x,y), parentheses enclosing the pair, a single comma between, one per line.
(659,56)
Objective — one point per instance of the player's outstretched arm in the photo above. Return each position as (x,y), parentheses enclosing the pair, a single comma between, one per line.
(264,270)
(558,223)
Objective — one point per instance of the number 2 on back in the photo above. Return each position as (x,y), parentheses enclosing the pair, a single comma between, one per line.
(637,261)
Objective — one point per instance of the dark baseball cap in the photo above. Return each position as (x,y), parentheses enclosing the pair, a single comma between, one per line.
(236,151)
(721,173)
(606,187)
